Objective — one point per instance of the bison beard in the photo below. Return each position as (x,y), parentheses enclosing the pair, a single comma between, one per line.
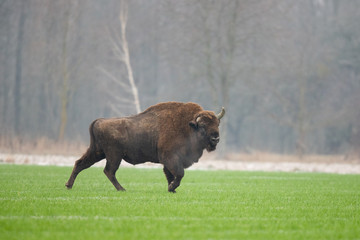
(173,134)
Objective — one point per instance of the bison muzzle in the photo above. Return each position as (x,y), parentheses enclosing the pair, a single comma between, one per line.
(173,134)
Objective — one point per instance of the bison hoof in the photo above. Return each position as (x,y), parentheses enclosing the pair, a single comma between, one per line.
(68,186)
(172,190)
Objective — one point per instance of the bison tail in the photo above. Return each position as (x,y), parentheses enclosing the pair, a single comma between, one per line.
(93,152)
(92,146)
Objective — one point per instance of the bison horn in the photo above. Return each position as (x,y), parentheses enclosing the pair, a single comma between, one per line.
(221,114)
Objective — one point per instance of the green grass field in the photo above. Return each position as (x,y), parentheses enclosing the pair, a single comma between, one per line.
(35,204)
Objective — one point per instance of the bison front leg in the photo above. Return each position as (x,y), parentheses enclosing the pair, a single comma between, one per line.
(168,175)
(174,176)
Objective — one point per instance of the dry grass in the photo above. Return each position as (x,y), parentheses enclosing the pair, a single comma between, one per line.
(45,146)
(42,146)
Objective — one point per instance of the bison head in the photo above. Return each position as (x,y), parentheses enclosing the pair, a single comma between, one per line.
(206,126)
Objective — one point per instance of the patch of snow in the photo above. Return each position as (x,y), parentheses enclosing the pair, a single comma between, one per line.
(342,168)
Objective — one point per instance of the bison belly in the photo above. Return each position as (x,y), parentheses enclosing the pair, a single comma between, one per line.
(140,148)
(139,156)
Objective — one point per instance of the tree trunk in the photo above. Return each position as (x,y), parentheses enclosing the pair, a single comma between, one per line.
(18,70)
(126,57)
(65,79)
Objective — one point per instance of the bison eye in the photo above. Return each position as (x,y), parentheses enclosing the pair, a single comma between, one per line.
(193,124)
(214,135)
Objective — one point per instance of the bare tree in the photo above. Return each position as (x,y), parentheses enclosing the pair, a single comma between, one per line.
(69,62)
(224,33)
(65,90)
(18,68)
(122,53)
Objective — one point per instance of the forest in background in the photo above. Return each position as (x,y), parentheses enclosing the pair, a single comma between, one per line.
(287,72)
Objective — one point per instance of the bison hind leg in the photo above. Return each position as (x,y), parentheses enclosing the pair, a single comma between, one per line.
(87,160)
(112,165)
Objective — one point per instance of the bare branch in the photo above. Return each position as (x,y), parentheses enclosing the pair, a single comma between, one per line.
(126,57)
(123,100)
(113,78)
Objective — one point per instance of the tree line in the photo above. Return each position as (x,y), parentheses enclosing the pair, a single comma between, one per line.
(287,72)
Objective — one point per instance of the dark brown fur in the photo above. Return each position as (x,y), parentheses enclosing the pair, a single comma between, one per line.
(173,134)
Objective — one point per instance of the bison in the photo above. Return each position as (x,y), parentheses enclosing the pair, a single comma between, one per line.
(172,133)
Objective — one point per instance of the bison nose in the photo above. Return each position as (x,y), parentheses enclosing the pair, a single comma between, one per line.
(215,139)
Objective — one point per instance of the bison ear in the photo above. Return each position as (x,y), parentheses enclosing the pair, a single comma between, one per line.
(194,124)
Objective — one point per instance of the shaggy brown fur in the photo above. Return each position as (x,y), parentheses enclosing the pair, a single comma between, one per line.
(173,134)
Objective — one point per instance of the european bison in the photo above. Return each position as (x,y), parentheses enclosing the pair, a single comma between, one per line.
(173,134)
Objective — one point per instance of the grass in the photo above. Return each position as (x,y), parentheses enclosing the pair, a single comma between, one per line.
(34,204)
